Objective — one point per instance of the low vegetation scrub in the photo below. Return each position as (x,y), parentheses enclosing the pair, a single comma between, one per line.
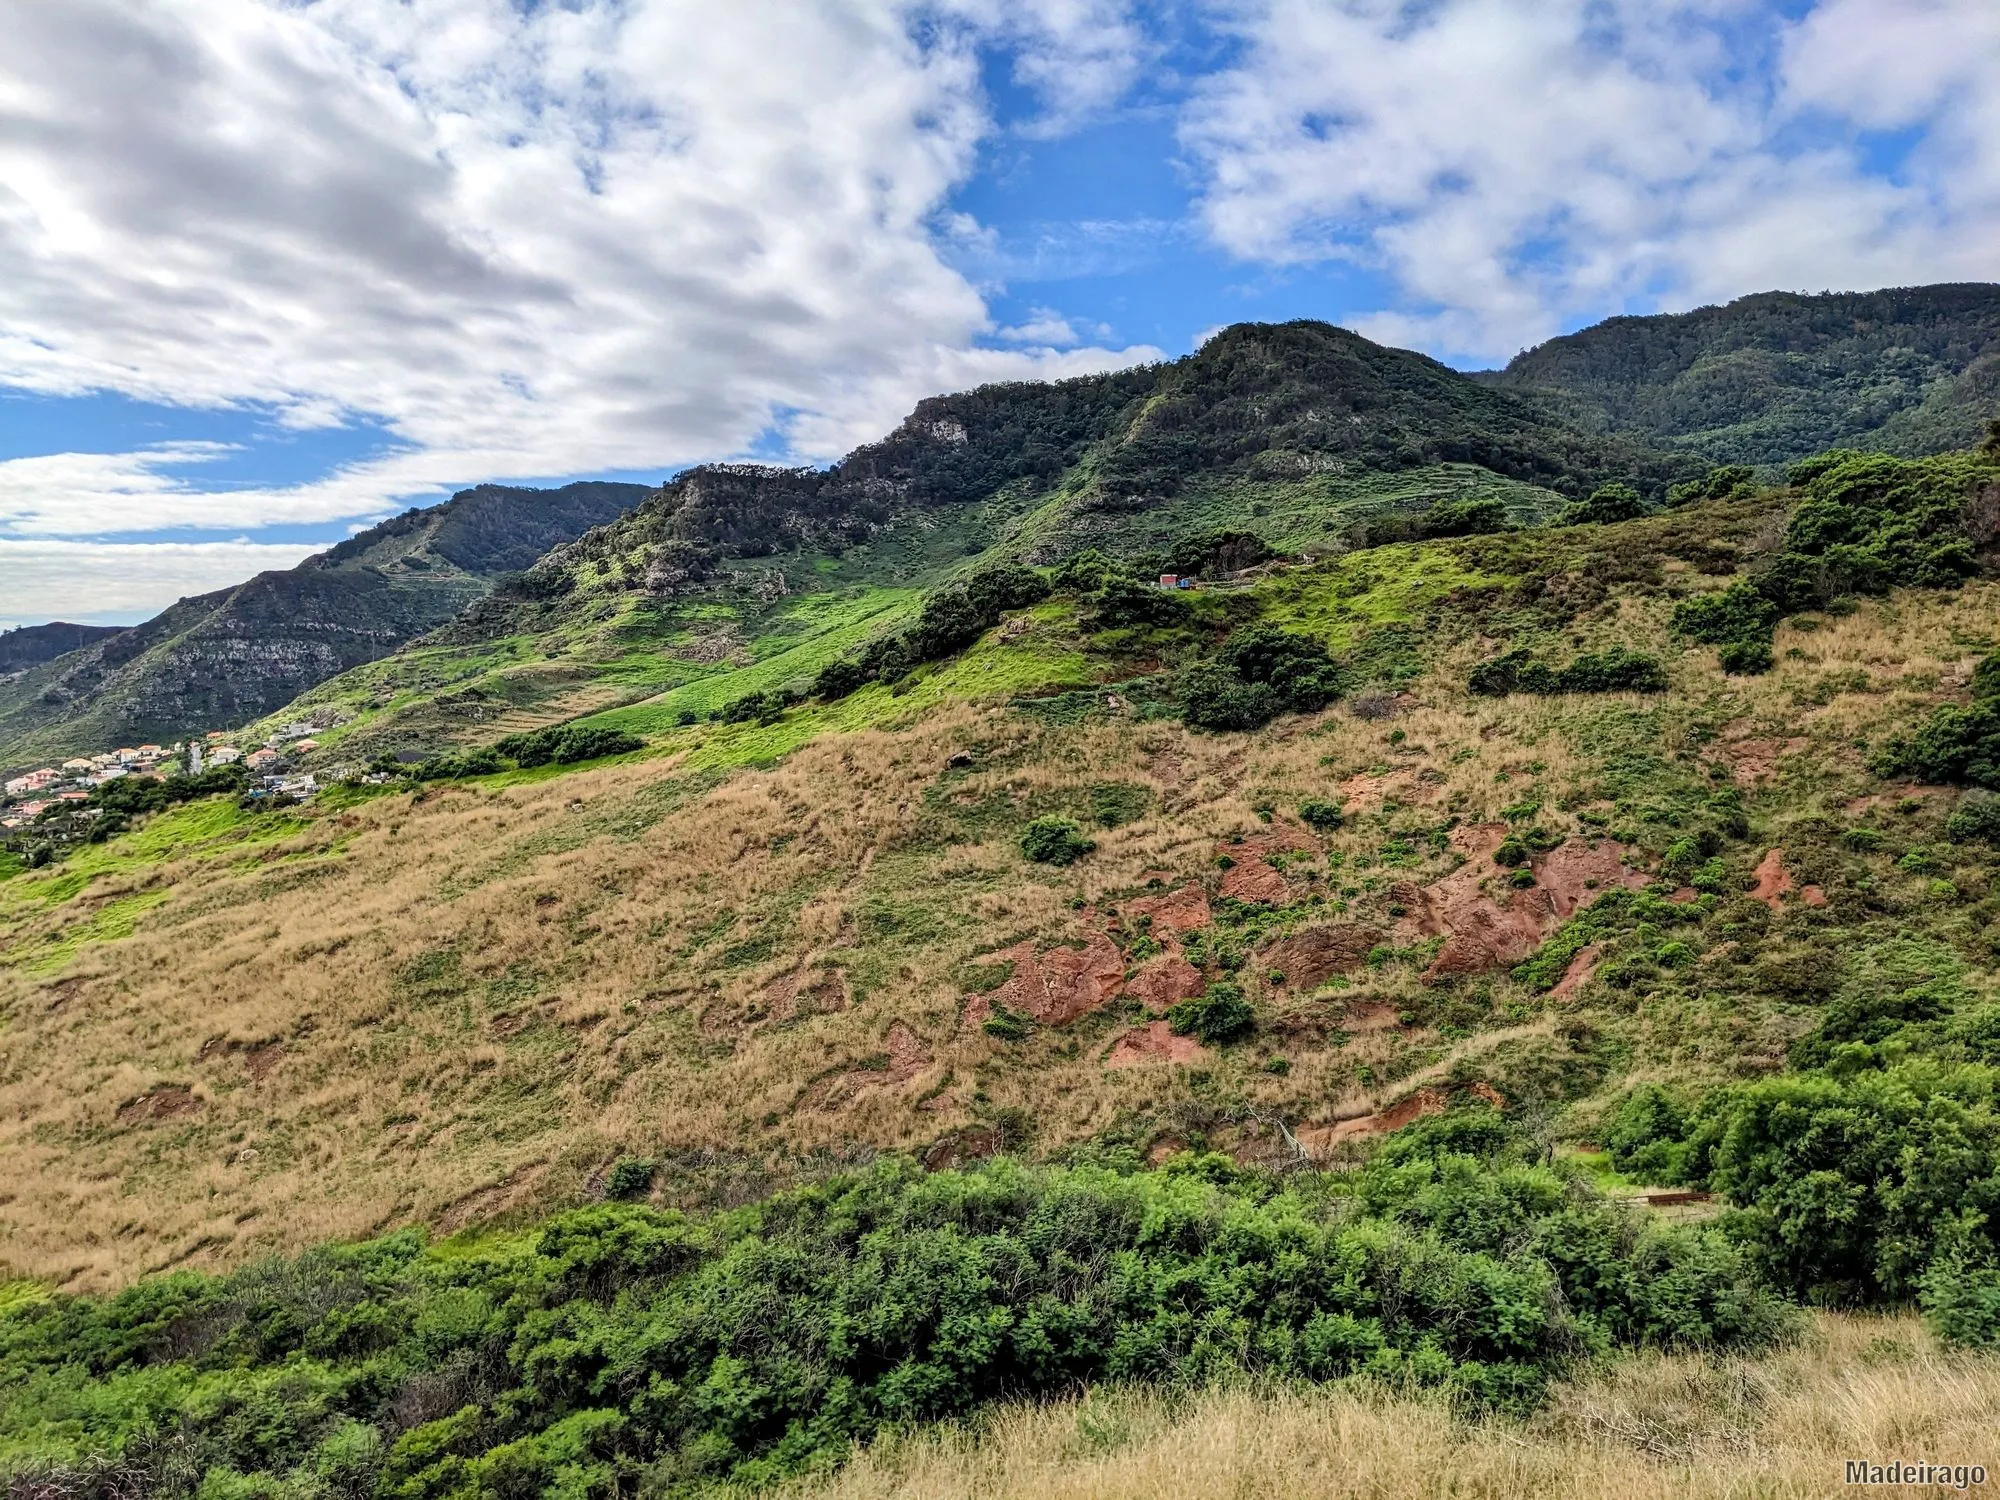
(1262,672)
(1218,1016)
(1616,670)
(1865,523)
(1958,745)
(622,1350)
(567,744)
(1055,841)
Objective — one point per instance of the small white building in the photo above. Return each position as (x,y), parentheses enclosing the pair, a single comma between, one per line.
(224,755)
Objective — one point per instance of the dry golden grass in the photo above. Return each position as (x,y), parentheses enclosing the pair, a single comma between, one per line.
(1656,1427)
(450,1008)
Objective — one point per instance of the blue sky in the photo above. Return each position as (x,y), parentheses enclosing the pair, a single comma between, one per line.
(269,272)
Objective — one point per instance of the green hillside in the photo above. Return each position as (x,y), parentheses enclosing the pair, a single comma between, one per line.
(220,660)
(1771,378)
(1307,435)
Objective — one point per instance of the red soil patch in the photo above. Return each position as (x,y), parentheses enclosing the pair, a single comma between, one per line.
(1054,987)
(1406,1111)
(1181,911)
(1755,760)
(259,1058)
(1310,958)
(1253,879)
(1684,896)
(166,1101)
(1154,1042)
(1812,895)
(1577,975)
(1486,927)
(1166,980)
(1774,881)
(805,993)
(909,1054)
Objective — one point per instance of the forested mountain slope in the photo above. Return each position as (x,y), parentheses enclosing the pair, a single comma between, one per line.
(1774,377)
(31,645)
(222,659)
(1311,436)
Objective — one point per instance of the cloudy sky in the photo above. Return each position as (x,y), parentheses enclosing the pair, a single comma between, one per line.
(271,269)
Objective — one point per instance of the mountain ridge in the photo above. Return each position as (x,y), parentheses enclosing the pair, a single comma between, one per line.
(222,659)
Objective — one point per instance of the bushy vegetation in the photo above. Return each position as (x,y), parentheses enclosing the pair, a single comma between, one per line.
(1865,523)
(952,618)
(1606,506)
(1959,745)
(1054,841)
(1615,670)
(567,744)
(1260,673)
(1472,517)
(1217,1016)
(622,1350)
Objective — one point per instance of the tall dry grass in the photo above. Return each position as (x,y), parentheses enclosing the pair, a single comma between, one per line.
(446,1009)
(1657,1427)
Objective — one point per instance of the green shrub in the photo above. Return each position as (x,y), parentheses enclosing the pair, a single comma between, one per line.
(1218,1016)
(1960,745)
(618,1345)
(1054,841)
(567,744)
(1975,822)
(1215,552)
(1005,1025)
(1320,814)
(631,1177)
(1607,505)
(1464,518)
(1616,670)
(1720,484)
(1213,697)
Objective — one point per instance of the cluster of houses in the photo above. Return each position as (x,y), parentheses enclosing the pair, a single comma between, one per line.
(25,798)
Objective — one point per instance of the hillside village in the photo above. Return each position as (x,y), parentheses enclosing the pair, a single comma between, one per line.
(65,791)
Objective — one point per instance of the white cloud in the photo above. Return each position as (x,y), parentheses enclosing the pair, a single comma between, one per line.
(1515,165)
(116,583)
(531,240)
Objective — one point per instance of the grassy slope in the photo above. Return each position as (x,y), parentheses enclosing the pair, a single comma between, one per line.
(468,1000)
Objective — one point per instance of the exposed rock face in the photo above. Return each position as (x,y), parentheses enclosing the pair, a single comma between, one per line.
(1055,987)
(1308,959)
(1155,1042)
(1487,923)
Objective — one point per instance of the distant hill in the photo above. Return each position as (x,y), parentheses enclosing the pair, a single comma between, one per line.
(1775,377)
(222,659)
(31,645)
(1309,435)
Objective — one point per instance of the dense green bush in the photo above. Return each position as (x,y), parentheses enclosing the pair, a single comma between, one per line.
(1463,518)
(1260,673)
(1321,814)
(1854,1186)
(1218,1016)
(951,619)
(1866,523)
(620,1350)
(1054,841)
(1725,483)
(1959,745)
(1615,670)
(1608,504)
(1975,822)
(1214,552)
(566,744)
